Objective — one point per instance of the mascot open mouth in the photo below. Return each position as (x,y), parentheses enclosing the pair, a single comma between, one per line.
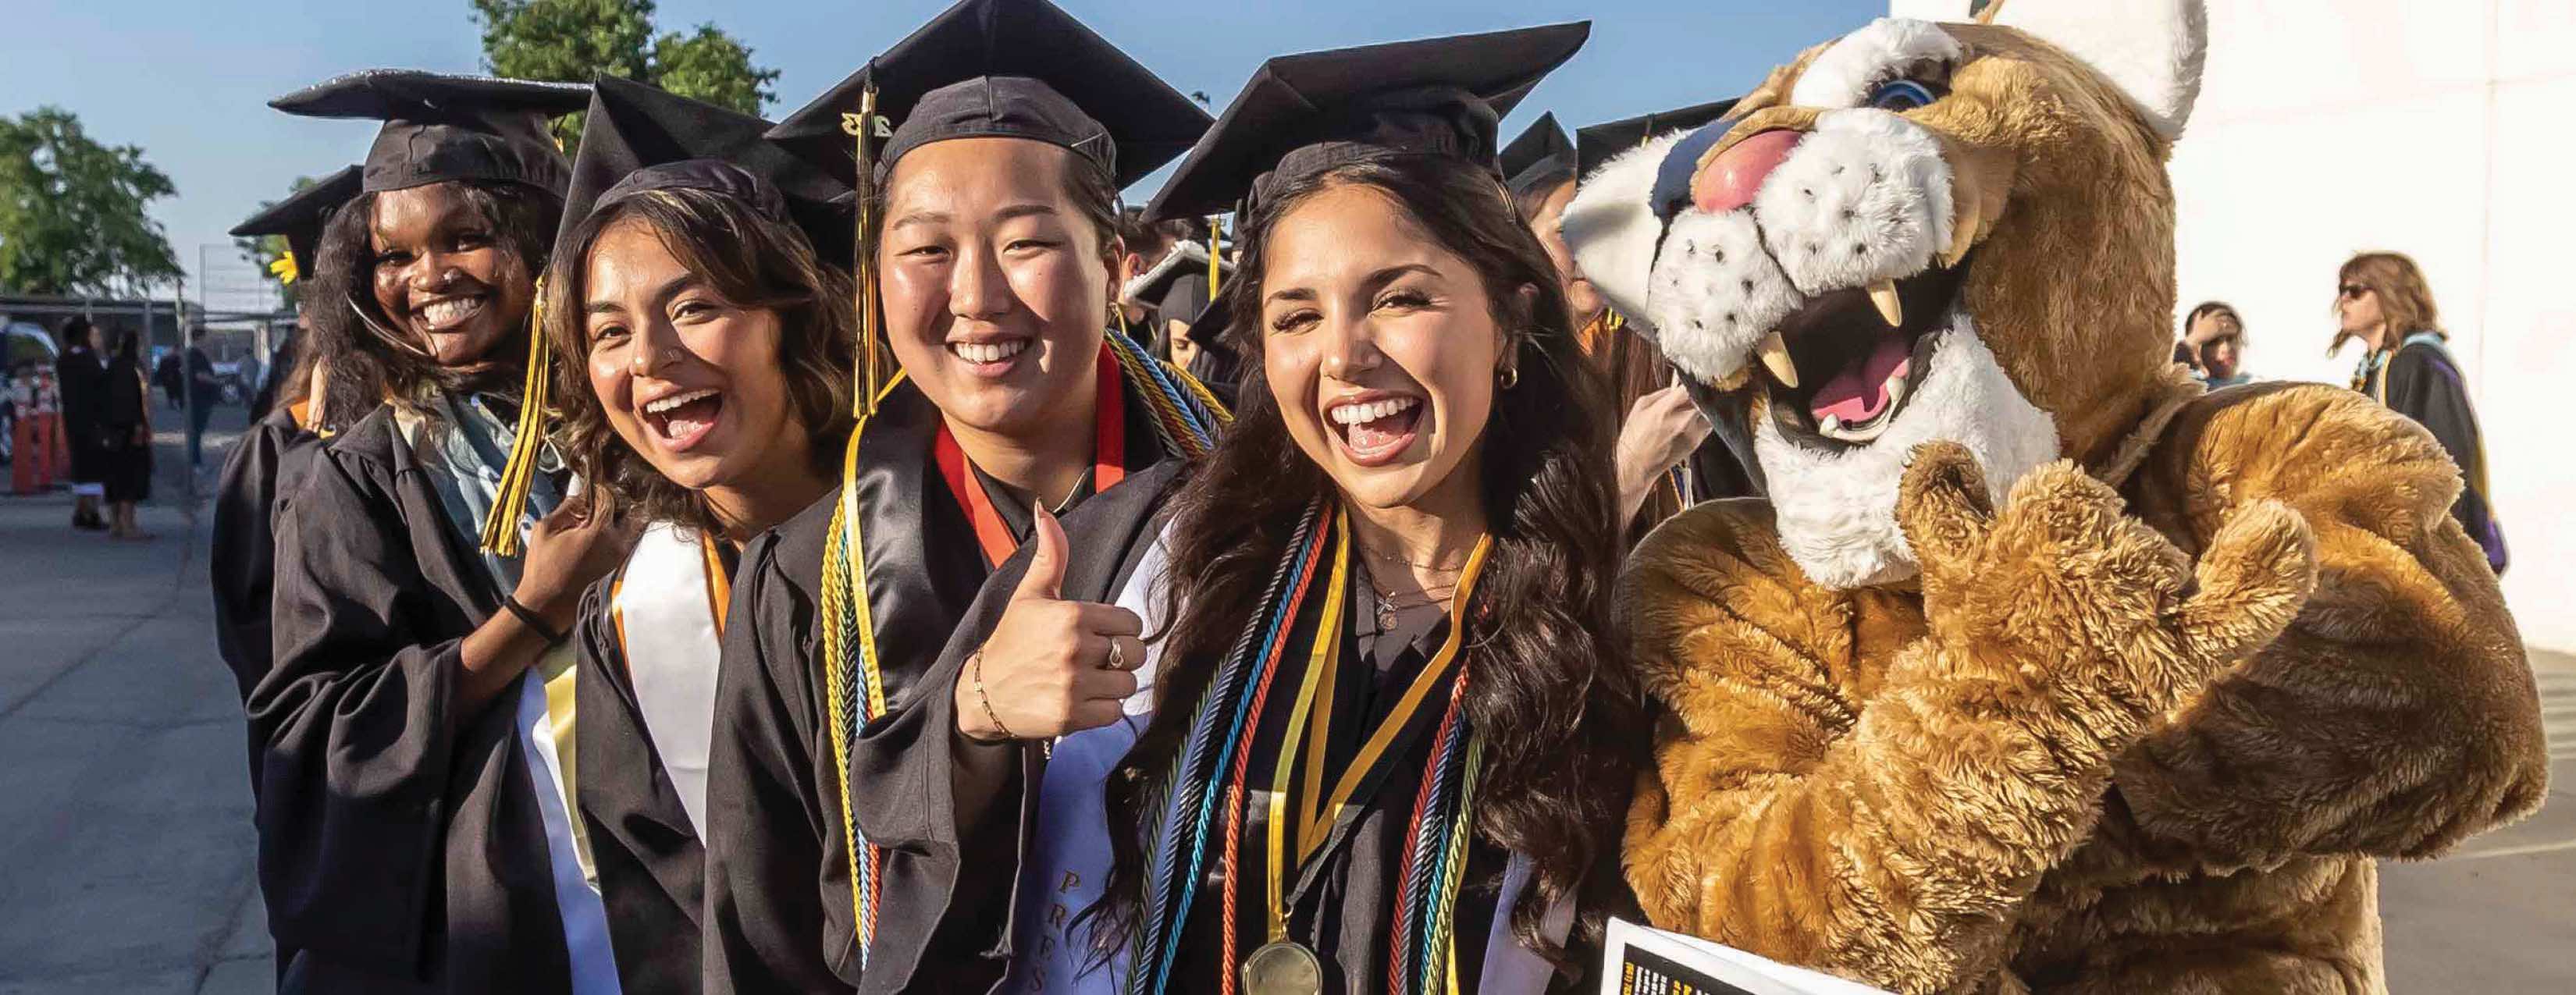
(1837,372)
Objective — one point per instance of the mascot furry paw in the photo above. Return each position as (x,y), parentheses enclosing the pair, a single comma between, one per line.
(2039,669)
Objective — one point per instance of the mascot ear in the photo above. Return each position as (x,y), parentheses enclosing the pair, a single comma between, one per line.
(2151,49)
(1612,229)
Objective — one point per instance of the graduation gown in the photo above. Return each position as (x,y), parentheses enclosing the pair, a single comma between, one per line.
(643,836)
(263,467)
(401,844)
(2420,382)
(1340,902)
(772,923)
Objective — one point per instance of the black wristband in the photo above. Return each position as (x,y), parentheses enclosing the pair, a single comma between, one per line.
(528,617)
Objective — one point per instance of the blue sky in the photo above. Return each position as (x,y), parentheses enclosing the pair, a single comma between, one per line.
(188,80)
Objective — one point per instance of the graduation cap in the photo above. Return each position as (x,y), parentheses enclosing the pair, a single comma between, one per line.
(1006,68)
(1302,114)
(639,138)
(1178,286)
(1541,157)
(1597,144)
(300,218)
(440,127)
(985,69)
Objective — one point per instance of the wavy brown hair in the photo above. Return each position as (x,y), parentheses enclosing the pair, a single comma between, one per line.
(372,360)
(2405,298)
(752,262)
(1559,704)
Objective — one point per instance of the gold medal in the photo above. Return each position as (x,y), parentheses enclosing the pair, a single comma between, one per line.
(1283,967)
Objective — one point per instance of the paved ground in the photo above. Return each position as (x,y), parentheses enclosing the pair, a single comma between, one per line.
(125,848)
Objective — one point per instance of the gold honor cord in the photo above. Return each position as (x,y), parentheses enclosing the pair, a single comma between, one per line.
(501,527)
(861,127)
(1216,232)
(1325,658)
(1318,819)
(845,593)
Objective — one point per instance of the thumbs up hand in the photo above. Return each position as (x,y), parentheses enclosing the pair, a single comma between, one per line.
(1051,666)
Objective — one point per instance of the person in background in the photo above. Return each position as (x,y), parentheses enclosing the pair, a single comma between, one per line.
(2383,302)
(166,375)
(2213,344)
(81,374)
(125,432)
(205,388)
(1666,459)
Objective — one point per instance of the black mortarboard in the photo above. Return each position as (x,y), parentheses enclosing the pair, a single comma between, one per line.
(1541,156)
(1012,68)
(1304,113)
(639,137)
(1177,285)
(1597,144)
(440,127)
(302,214)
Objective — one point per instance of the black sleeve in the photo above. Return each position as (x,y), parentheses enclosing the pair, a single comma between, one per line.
(2423,386)
(356,725)
(778,915)
(239,555)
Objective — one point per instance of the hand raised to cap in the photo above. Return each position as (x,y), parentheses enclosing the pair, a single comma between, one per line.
(1051,666)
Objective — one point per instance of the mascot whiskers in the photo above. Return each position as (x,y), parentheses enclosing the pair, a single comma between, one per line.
(2039,669)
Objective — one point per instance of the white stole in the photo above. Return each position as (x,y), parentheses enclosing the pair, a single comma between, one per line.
(668,607)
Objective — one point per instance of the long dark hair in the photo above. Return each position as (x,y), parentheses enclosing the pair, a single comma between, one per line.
(374,361)
(750,261)
(1552,690)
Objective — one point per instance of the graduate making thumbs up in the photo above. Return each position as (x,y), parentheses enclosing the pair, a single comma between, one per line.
(1052,666)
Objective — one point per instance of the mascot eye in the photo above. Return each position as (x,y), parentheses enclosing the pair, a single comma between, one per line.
(1898,95)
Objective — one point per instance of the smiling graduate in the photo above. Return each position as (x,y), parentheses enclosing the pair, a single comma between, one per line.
(413,832)
(988,178)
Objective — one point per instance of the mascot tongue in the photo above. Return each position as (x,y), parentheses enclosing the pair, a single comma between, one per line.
(1859,392)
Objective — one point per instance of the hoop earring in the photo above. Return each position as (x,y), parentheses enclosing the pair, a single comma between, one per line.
(1511,377)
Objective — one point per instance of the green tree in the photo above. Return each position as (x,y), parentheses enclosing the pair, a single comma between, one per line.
(570,40)
(266,250)
(72,215)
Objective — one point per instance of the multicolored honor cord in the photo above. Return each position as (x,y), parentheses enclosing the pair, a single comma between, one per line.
(1214,769)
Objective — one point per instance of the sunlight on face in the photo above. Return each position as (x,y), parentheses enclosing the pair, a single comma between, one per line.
(441,273)
(689,380)
(1380,347)
(995,285)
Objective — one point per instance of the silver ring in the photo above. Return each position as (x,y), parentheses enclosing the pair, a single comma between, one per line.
(1117,655)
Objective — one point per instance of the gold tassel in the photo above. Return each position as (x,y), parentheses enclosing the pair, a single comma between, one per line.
(871,373)
(501,526)
(1216,231)
(283,268)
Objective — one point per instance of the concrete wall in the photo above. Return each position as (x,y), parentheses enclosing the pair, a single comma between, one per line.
(2442,130)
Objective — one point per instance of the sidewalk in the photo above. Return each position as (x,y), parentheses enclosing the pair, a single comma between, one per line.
(126,846)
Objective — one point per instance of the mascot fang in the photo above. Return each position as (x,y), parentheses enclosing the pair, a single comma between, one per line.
(2039,669)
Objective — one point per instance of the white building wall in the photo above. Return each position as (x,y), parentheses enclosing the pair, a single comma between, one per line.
(2446,131)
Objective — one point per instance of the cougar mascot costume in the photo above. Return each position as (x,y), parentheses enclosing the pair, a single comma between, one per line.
(2039,670)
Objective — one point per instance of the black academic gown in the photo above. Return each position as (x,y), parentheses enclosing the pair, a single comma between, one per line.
(2422,384)
(651,865)
(401,844)
(779,916)
(264,465)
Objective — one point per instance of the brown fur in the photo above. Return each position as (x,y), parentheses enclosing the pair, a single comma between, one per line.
(2144,735)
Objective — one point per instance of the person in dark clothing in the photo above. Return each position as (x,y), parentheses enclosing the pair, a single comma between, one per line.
(80,373)
(205,388)
(2383,301)
(412,806)
(125,431)
(1010,127)
(166,375)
